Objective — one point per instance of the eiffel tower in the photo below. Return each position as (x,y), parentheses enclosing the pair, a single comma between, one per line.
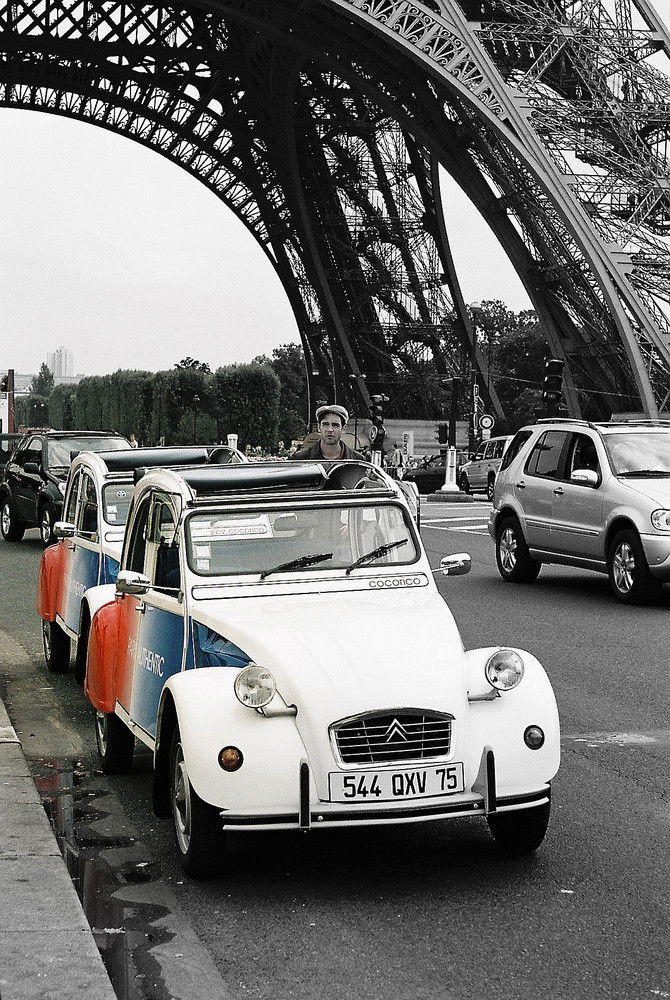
(326,126)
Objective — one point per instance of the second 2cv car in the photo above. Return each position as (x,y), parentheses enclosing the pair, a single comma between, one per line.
(277,639)
(97,496)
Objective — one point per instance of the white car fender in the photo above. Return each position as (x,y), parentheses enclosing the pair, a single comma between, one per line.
(500,722)
(95,597)
(210,717)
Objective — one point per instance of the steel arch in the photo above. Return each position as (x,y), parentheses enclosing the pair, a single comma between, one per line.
(321,124)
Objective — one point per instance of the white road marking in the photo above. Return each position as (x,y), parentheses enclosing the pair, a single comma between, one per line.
(620,739)
(473,523)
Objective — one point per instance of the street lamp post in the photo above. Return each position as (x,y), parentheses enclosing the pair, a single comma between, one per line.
(354,385)
(475,311)
(196,400)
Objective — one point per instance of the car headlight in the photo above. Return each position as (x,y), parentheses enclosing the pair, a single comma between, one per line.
(61,487)
(661,520)
(504,669)
(255,686)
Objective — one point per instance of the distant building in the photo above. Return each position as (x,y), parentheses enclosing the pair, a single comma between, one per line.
(61,363)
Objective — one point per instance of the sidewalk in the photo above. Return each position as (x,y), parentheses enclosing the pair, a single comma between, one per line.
(47,949)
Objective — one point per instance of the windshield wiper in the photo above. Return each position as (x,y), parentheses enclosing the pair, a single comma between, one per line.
(298,563)
(381,550)
(645,473)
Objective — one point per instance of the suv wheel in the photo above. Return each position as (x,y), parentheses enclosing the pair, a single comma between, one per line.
(464,483)
(630,577)
(12,529)
(490,485)
(47,518)
(515,563)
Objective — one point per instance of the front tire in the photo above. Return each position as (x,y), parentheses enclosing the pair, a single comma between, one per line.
(47,520)
(463,483)
(630,577)
(116,743)
(56,644)
(521,831)
(198,827)
(490,486)
(11,527)
(514,561)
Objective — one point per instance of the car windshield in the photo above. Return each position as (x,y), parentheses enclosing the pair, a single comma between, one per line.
(60,450)
(641,453)
(310,539)
(116,501)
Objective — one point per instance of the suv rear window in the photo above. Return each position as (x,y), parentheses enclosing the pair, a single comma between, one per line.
(515,447)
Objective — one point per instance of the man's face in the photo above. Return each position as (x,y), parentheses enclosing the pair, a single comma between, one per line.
(330,428)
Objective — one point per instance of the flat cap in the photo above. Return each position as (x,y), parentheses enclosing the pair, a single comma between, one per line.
(333,408)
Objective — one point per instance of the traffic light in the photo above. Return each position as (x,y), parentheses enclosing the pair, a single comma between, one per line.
(4,383)
(377,430)
(552,388)
(443,433)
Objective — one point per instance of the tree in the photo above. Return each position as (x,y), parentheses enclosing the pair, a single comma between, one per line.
(288,364)
(200,366)
(246,403)
(514,347)
(43,383)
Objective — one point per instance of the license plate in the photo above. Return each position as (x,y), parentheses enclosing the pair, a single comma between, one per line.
(396,786)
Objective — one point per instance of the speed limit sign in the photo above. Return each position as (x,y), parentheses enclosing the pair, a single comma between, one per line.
(486,421)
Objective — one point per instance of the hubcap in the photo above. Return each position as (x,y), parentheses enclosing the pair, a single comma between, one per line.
(6,519)
(46,639)
(181,802)
(623,568)
(101,731)
(46,525)
(507,549)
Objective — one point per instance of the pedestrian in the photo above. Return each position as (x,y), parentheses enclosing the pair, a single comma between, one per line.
(331,419)
(396,462)
(133,441)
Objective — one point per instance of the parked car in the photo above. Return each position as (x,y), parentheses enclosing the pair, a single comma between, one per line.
(594,495)
(429,474)
(479,474)
(97,497)
(276,638)
(33,482)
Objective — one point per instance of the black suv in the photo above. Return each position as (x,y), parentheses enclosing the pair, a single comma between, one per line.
(33,482)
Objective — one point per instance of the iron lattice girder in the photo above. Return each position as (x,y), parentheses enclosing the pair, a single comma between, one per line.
(195,83)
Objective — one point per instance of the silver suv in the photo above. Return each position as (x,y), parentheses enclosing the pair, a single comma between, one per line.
(479,474)
(594,495)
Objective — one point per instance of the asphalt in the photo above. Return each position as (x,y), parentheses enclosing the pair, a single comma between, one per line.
(47,948)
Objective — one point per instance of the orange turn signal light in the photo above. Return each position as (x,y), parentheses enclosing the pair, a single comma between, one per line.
(230,759)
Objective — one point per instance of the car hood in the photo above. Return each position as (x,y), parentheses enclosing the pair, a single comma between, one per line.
(339,655)
(656,490)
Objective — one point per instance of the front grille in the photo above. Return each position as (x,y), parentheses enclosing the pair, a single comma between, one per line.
(393,738)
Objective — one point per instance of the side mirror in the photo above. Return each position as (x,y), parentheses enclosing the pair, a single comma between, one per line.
(63,529)
(130,582)
(455,565)
(585,477)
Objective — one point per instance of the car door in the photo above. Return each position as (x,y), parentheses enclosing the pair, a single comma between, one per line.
(155,621)
(534,488)
(577,519)
(27,481)
(475,472)
(83,549)
(437,469)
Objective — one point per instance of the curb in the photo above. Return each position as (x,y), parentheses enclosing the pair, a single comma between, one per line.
(47,948)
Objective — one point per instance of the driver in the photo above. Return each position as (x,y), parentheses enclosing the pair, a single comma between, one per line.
(331,419)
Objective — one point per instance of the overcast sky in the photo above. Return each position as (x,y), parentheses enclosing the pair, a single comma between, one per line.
(117,254)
